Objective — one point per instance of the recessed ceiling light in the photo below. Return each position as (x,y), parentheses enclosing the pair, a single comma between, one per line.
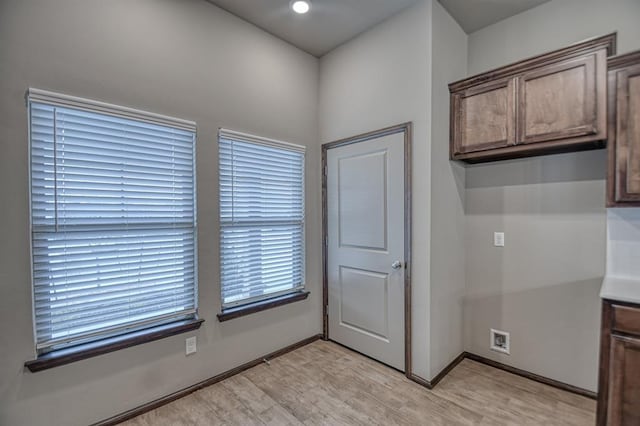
(300,6)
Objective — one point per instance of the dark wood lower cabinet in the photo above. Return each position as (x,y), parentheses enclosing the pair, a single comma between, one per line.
(619,382)
(624,381)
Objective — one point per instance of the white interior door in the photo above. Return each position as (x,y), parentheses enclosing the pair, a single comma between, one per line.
(365,247)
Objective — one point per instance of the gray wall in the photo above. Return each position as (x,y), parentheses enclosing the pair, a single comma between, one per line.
(396,72)
(448,63)
(543,286)
(378,79)
(183,58)
(552,25)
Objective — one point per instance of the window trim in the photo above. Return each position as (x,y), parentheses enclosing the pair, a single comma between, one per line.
(95,348)
(262,305)
(60,99)
(110,340)
(256,304)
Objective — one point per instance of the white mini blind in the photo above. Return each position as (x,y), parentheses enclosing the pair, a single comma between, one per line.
(113,219)
(261,217)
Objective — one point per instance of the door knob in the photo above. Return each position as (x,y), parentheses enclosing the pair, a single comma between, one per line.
(396,265)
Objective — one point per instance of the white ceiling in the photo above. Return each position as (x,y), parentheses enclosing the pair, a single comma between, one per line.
(333,22)
(473,15)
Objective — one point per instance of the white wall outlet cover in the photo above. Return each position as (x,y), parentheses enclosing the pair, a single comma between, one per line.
(191,345)
(498,239)
(500,341)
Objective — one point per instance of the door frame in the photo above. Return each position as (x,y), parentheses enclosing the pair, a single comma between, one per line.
(405,128)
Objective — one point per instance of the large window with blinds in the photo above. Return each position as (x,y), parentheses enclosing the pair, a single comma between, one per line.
(113,219)
(261,218)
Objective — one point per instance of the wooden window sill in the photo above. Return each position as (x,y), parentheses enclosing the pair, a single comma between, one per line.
(262,305)
(88,350)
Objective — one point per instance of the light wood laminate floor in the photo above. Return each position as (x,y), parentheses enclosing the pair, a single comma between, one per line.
(325,384)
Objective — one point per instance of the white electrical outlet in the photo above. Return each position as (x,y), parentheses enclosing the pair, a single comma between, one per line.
(500,341)
(191,345)
(498,239)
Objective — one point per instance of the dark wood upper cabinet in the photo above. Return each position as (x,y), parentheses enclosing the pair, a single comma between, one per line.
(556,102)
(623,186)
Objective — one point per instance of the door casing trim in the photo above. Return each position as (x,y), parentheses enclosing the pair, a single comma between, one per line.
(405,128)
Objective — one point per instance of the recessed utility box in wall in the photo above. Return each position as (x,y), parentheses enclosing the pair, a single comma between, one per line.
(500,341)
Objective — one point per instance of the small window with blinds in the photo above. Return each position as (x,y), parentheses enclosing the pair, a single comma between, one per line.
(113,219)
(261,218)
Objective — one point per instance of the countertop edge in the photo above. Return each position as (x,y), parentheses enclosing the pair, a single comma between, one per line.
(621,289)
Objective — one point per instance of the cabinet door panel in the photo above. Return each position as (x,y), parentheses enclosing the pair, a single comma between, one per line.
(624,373)
(484,117)
(562,101)
(628,134)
